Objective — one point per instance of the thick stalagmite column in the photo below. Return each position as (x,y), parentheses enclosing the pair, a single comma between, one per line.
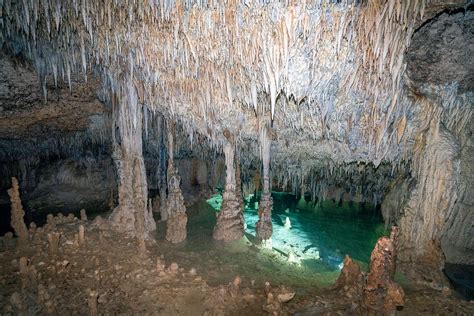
(176,211)
(131,216)
(230,221)
(264,225)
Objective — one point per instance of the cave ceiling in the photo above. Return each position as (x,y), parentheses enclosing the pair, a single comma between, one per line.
(329,77)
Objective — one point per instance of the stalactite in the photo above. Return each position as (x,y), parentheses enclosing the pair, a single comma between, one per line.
(230,220)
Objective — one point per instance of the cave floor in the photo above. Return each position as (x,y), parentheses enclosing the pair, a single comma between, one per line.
(127,282)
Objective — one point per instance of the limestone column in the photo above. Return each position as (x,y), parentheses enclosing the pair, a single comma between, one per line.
(131,216)
(176,211)
(264,228)
(230,221)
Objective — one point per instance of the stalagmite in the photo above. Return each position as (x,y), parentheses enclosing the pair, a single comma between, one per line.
(92,302)
(82,238)
(381,294)
(17,214)
(230,220)
(83,215)
(287,224)
(264,225)
(160,265)
(53,241)
(24,271)
(351,279)
(177,218)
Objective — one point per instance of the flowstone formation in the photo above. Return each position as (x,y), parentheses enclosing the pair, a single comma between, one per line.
(177,218)
(230,220)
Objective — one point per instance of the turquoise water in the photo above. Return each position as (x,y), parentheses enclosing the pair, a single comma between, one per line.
(319,234)
(318,240)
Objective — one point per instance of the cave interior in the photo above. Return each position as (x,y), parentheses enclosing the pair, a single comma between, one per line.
(198,157)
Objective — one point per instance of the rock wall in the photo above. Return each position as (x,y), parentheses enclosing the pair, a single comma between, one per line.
(457,241)
(434,209)
(434,205)
(70,185)
(430,204)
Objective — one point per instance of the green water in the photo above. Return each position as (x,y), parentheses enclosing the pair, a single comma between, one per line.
(318,239)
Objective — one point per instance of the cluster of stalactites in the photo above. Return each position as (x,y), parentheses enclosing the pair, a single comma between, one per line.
(359,182)
(199,60)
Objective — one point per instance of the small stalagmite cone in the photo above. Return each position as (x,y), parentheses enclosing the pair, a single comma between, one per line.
(82,237)
(237,281)
(23,265)
(160,265)
(50,221)
(92,302)
(83,215)
(53,240)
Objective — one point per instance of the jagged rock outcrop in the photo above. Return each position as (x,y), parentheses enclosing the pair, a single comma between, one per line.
(230,220)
